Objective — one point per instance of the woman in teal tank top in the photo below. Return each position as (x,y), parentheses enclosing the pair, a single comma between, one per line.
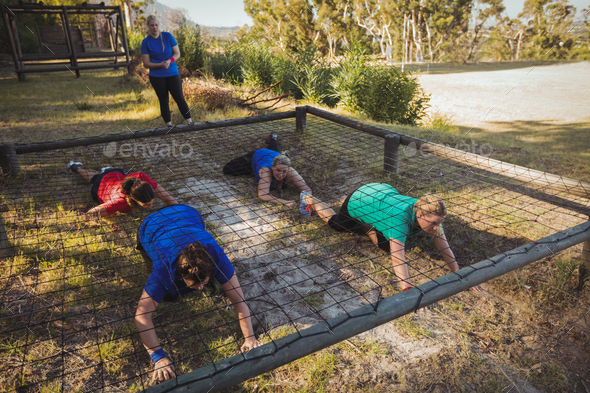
(388,218)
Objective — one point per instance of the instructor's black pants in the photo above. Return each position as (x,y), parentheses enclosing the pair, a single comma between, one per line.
(172,84)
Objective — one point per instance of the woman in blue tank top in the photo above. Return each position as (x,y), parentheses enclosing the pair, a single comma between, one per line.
(182,257)
(272,171)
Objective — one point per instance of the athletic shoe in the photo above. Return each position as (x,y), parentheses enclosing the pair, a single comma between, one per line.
(305,208)
(74,166)
(273,135)
(105,168)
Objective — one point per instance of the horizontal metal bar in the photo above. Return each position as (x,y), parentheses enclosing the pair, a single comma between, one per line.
(99,139)
(231,371)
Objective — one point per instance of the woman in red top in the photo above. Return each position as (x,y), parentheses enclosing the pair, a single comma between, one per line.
(115,190)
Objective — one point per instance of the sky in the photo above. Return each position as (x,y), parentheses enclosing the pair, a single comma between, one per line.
(231,12)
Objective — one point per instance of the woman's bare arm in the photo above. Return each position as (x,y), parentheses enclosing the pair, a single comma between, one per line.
(399,262)
(442,245)
(163,369)
(236,296)
(162,194)
(297,180)
(264,188)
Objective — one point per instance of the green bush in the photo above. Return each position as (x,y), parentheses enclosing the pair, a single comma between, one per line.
(346,83)
(258,64)
(192,52)
(226,65)
(393,96)
(312,76)
(383,93)
(135,37)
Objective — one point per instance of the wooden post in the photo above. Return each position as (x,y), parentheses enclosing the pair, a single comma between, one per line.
(124,34)
(18,49)
(584,270)
(5,250)
(116,38)
(66,19)
(391,154)
(8,27)
(8,159)
(300,118)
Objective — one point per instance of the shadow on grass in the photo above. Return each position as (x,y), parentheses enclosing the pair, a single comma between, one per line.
(449,68)
(560,148)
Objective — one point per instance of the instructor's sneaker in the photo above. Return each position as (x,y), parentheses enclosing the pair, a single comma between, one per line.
(74,166)
(273,135)
(305,208)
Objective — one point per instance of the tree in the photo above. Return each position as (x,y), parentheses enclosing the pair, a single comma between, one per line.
(493,8)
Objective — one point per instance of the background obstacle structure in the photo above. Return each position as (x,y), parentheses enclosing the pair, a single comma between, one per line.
(69,288)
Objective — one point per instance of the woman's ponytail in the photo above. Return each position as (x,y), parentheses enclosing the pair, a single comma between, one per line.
(136,190)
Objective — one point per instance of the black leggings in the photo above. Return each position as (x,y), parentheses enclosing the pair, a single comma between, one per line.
(243,165)
(172,84)
(343,222)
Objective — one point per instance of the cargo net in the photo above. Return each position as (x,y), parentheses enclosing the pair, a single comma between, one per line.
(70,288)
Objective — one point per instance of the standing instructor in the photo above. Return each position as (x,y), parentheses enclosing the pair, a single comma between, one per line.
(159,53)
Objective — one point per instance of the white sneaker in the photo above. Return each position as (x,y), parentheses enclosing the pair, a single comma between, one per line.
(105,168)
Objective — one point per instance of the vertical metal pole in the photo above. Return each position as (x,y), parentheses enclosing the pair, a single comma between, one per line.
(124,35)
(116,38)
(300,118)
(68,28)
(391,154)
(8,26)
(18,49)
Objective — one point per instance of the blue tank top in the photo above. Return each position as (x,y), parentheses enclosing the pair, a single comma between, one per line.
(263,158)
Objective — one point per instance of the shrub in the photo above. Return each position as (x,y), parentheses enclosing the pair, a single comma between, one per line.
(226,65)
(312,76)
(346,83)
(393,96)
(134,38)
(257,66)
(382,93)
(192,52)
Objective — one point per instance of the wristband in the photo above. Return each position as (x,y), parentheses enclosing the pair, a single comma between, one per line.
(172,60)
(158,355)
(403,290)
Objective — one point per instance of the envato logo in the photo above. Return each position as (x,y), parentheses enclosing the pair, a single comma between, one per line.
(447,150)
(137,149)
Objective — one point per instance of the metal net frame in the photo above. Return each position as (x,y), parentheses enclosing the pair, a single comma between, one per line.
(69,288)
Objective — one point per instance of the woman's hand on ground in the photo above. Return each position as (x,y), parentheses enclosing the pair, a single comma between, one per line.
(163,370)
(290,203)
(477,288)
(250,343)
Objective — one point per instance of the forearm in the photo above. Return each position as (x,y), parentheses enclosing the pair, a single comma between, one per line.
(267,197)
(147,333)
(97,212)
(401,271)
(151,65)
(243,314)
(447,253)
(165,197)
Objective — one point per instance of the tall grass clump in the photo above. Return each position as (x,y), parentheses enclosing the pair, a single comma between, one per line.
(192,50)
(226,65)
(312,77)
(257,66)
(383,93)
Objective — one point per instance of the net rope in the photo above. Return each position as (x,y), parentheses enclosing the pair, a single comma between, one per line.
(69,289)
